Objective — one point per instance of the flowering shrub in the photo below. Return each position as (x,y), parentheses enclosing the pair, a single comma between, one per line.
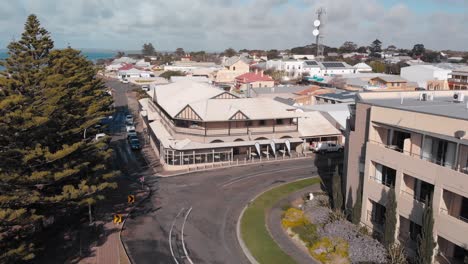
(294,217)
(330,250)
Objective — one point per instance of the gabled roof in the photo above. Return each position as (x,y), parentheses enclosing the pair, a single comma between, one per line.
(201,98)
(362,66)
(253,77)
(390,78)
(230,61)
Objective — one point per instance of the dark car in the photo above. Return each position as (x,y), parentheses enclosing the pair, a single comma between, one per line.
(134,142)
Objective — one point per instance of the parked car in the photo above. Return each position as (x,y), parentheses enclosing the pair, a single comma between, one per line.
(134,142)
(125,81)
(129,127)
(129,119)
(323,147)
(131,132)
(145,87)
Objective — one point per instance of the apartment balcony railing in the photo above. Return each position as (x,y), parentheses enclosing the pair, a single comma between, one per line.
(423,157)
(419,200)
(382,181)
(445,212)
(457,80)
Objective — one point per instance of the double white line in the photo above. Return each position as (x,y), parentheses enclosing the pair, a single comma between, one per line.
(182,235)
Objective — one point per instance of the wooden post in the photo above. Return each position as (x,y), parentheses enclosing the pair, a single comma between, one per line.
(194,157)
(181,158)
(213,156)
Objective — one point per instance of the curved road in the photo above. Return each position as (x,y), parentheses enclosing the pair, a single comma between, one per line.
(217,198)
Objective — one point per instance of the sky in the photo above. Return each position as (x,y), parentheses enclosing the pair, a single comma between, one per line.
(214,25)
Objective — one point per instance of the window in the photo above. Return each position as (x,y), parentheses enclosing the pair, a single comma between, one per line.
(261,122)
(439,151)
(279,121)
(233,68)
(384,175)
(415,231)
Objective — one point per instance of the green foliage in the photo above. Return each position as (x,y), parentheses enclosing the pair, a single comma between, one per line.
(357,208)
(230,52)
(330,250)
(425,242)
(337,191)
(293,217)
(307,233)
(390,219)
(148,49)
(396,254)
(377,66)
(46,168)
(253,227)
(169,74)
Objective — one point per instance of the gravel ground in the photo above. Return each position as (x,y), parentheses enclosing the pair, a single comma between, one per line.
(362,248)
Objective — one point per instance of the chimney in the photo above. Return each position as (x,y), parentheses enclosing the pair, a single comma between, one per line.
(261,73)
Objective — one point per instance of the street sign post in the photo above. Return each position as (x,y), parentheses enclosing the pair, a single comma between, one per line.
(117,218)
(131,199)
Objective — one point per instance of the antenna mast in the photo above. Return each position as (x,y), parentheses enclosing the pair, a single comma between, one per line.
(317,24)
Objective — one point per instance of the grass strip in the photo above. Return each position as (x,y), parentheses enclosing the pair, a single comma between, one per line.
(253,227)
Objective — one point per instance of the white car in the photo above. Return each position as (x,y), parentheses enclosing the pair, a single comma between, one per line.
(145,87)
(130,127)
(323,147)
(125,81)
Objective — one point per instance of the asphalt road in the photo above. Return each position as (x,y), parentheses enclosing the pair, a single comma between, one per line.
(203,205)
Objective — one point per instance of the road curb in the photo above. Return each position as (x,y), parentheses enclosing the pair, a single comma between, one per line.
(229,167)
(244,248)
(241,241)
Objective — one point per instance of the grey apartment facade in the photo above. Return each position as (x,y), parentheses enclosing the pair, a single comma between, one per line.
(417,144)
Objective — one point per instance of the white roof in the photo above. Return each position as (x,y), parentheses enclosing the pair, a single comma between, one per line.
(190,78)
(174,97)
(362,66)
(315,124)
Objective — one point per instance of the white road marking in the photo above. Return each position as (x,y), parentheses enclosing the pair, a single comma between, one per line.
(183,243)
(170,236)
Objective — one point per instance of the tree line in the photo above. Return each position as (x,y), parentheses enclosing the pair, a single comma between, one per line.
(50,104)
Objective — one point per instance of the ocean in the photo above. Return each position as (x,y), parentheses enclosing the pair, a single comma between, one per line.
(91,55)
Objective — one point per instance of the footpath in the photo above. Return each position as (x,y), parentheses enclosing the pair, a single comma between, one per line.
(297,251)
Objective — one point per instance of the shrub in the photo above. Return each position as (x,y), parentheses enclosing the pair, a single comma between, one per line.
(396,254)
(307,233)
(293,217)
(334,216)
(328,250)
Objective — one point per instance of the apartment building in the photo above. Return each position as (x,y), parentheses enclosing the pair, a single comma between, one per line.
(192,123)
(458,79)
(418,145)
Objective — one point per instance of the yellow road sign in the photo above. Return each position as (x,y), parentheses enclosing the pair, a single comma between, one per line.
(117,218)
(131,198)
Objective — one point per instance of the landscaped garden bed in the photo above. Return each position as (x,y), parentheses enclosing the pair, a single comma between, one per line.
(329,237)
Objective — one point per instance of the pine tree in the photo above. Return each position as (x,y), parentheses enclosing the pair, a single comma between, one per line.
(390,219)
(356,215)
(337,191)
(425,242)
(46,168)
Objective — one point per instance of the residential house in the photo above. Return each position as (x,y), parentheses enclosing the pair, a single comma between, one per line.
(362,68)
(232,67)
(389,82)
(253,80)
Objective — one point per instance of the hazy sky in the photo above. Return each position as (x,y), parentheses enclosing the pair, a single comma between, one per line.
(215,25)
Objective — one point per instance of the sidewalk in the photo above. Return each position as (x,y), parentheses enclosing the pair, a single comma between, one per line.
(295,250)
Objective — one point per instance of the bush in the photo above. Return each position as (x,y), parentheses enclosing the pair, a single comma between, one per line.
(293,217)
(334,216)
(328,250)
(307,233)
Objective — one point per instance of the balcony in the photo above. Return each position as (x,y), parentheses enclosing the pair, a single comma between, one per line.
(453,217)
(456,80)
